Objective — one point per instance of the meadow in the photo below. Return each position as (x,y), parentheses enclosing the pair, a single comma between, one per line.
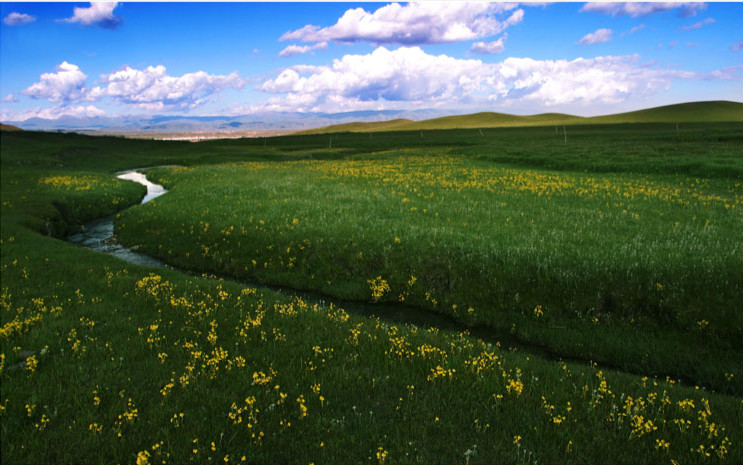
(612,261)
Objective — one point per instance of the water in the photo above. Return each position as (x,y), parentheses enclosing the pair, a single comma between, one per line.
(153,190)
(98,235)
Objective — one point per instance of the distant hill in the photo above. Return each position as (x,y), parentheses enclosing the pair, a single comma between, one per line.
(9,127)
(391,125)
(694,112)
(698,112)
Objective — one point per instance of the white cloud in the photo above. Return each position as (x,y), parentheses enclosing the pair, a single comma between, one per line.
(608,80)
(408,78)
(66,85)
(489,47)
(737,47)
(403,75)
(698,25)
(601,35)
(153,89)
(730,73)
(56,112)
(415,23)
(18,19)
(292,50)
(633,30)
(10,98)
(98,13)
(643,8)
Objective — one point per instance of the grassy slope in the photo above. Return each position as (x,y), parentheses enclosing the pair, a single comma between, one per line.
(718,111)
(519,237)
(111,349)
(682,113)
(390,125)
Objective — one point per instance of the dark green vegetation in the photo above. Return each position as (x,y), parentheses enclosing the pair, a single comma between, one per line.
(124,366)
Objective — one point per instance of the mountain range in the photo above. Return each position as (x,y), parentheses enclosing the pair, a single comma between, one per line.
(186,124)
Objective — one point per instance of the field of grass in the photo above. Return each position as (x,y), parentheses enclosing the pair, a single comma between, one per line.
(622,247)
(619,266)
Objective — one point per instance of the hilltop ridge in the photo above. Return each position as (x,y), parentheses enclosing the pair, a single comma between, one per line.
(697,112)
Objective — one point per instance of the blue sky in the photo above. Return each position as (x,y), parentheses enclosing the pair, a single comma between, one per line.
(118,59)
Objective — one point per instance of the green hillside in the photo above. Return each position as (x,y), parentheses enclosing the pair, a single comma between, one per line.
(391,125)
(694,112)
(490,120)
(697,112)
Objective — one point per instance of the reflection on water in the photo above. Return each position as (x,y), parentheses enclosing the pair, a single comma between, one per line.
(98,235)
(153,190)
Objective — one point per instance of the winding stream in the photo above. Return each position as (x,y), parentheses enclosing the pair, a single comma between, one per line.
(99,235)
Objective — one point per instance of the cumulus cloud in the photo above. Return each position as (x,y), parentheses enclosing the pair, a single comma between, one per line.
(66,85)
(489,47)
(634,10)
(601,35)
(100,14)
(409,77)
(405,74)
(53,112)
(153,89)
(737,47)
(292,50)
(10,98)
(415,23)
(698,25)
(610,79)
(18,19)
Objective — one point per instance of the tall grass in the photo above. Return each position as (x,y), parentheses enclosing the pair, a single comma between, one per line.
(653,265)
(105,362)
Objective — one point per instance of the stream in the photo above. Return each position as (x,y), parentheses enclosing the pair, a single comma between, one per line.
(99,235)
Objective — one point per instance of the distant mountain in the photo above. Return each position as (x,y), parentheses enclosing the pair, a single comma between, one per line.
(701,112)
(182,124)
(369,121)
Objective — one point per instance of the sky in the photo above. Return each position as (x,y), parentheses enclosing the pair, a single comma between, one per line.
(203,59)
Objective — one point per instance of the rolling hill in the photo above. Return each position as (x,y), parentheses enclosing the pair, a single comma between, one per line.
(698,112)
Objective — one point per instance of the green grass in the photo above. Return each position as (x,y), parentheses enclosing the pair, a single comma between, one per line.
(109,338)
(717,111)
(623,265)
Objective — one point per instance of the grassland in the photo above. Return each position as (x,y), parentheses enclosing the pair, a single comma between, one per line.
(108,362)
